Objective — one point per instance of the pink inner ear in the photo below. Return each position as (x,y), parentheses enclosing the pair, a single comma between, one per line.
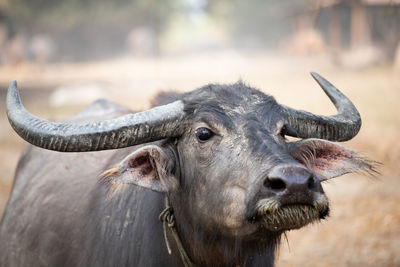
(323,158)
(321,154)
(328,159)
(141,165)
(145,167)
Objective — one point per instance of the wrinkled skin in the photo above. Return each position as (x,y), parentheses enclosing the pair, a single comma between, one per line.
(233,194)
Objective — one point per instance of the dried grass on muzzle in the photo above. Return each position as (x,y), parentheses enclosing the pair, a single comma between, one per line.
(279,218)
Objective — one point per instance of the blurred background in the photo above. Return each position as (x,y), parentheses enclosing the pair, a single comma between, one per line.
(66,54)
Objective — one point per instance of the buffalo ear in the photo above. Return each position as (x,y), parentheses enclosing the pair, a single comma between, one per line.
(328,159)
(147,167)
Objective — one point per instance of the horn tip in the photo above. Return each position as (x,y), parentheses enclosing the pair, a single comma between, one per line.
(324,83)
(316,76)
(13,84)
(12,94)
(13,87)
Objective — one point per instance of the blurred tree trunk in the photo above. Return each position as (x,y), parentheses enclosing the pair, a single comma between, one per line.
(360,32)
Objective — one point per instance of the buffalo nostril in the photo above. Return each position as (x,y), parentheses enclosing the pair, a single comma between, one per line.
(276,184)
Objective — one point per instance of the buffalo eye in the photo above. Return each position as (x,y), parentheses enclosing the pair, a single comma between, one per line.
(283,131)
(203,134)
(288,130)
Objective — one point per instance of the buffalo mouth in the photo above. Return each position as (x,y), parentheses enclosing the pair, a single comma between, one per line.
(275,217)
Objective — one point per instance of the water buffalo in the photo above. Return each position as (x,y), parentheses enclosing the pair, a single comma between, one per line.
(214,166)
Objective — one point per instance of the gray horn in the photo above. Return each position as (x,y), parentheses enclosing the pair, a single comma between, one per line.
(128,130)
(340,127)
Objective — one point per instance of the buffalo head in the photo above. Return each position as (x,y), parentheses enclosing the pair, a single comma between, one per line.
(221,156)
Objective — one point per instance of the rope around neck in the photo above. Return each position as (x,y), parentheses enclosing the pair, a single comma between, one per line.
(167,217)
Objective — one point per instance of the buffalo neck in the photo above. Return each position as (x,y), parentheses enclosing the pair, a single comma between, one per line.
(209,248)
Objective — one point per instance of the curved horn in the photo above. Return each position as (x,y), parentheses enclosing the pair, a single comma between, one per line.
(340,127)
(131,129)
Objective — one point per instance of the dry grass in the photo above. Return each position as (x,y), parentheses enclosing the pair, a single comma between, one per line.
(364,227)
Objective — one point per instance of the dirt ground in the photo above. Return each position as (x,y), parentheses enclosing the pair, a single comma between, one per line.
(364,226)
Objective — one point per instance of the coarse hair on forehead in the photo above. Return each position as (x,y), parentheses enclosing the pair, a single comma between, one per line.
(228,99)
(233,95)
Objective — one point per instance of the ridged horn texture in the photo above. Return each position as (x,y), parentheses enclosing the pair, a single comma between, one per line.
(128,130)
(340,127)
